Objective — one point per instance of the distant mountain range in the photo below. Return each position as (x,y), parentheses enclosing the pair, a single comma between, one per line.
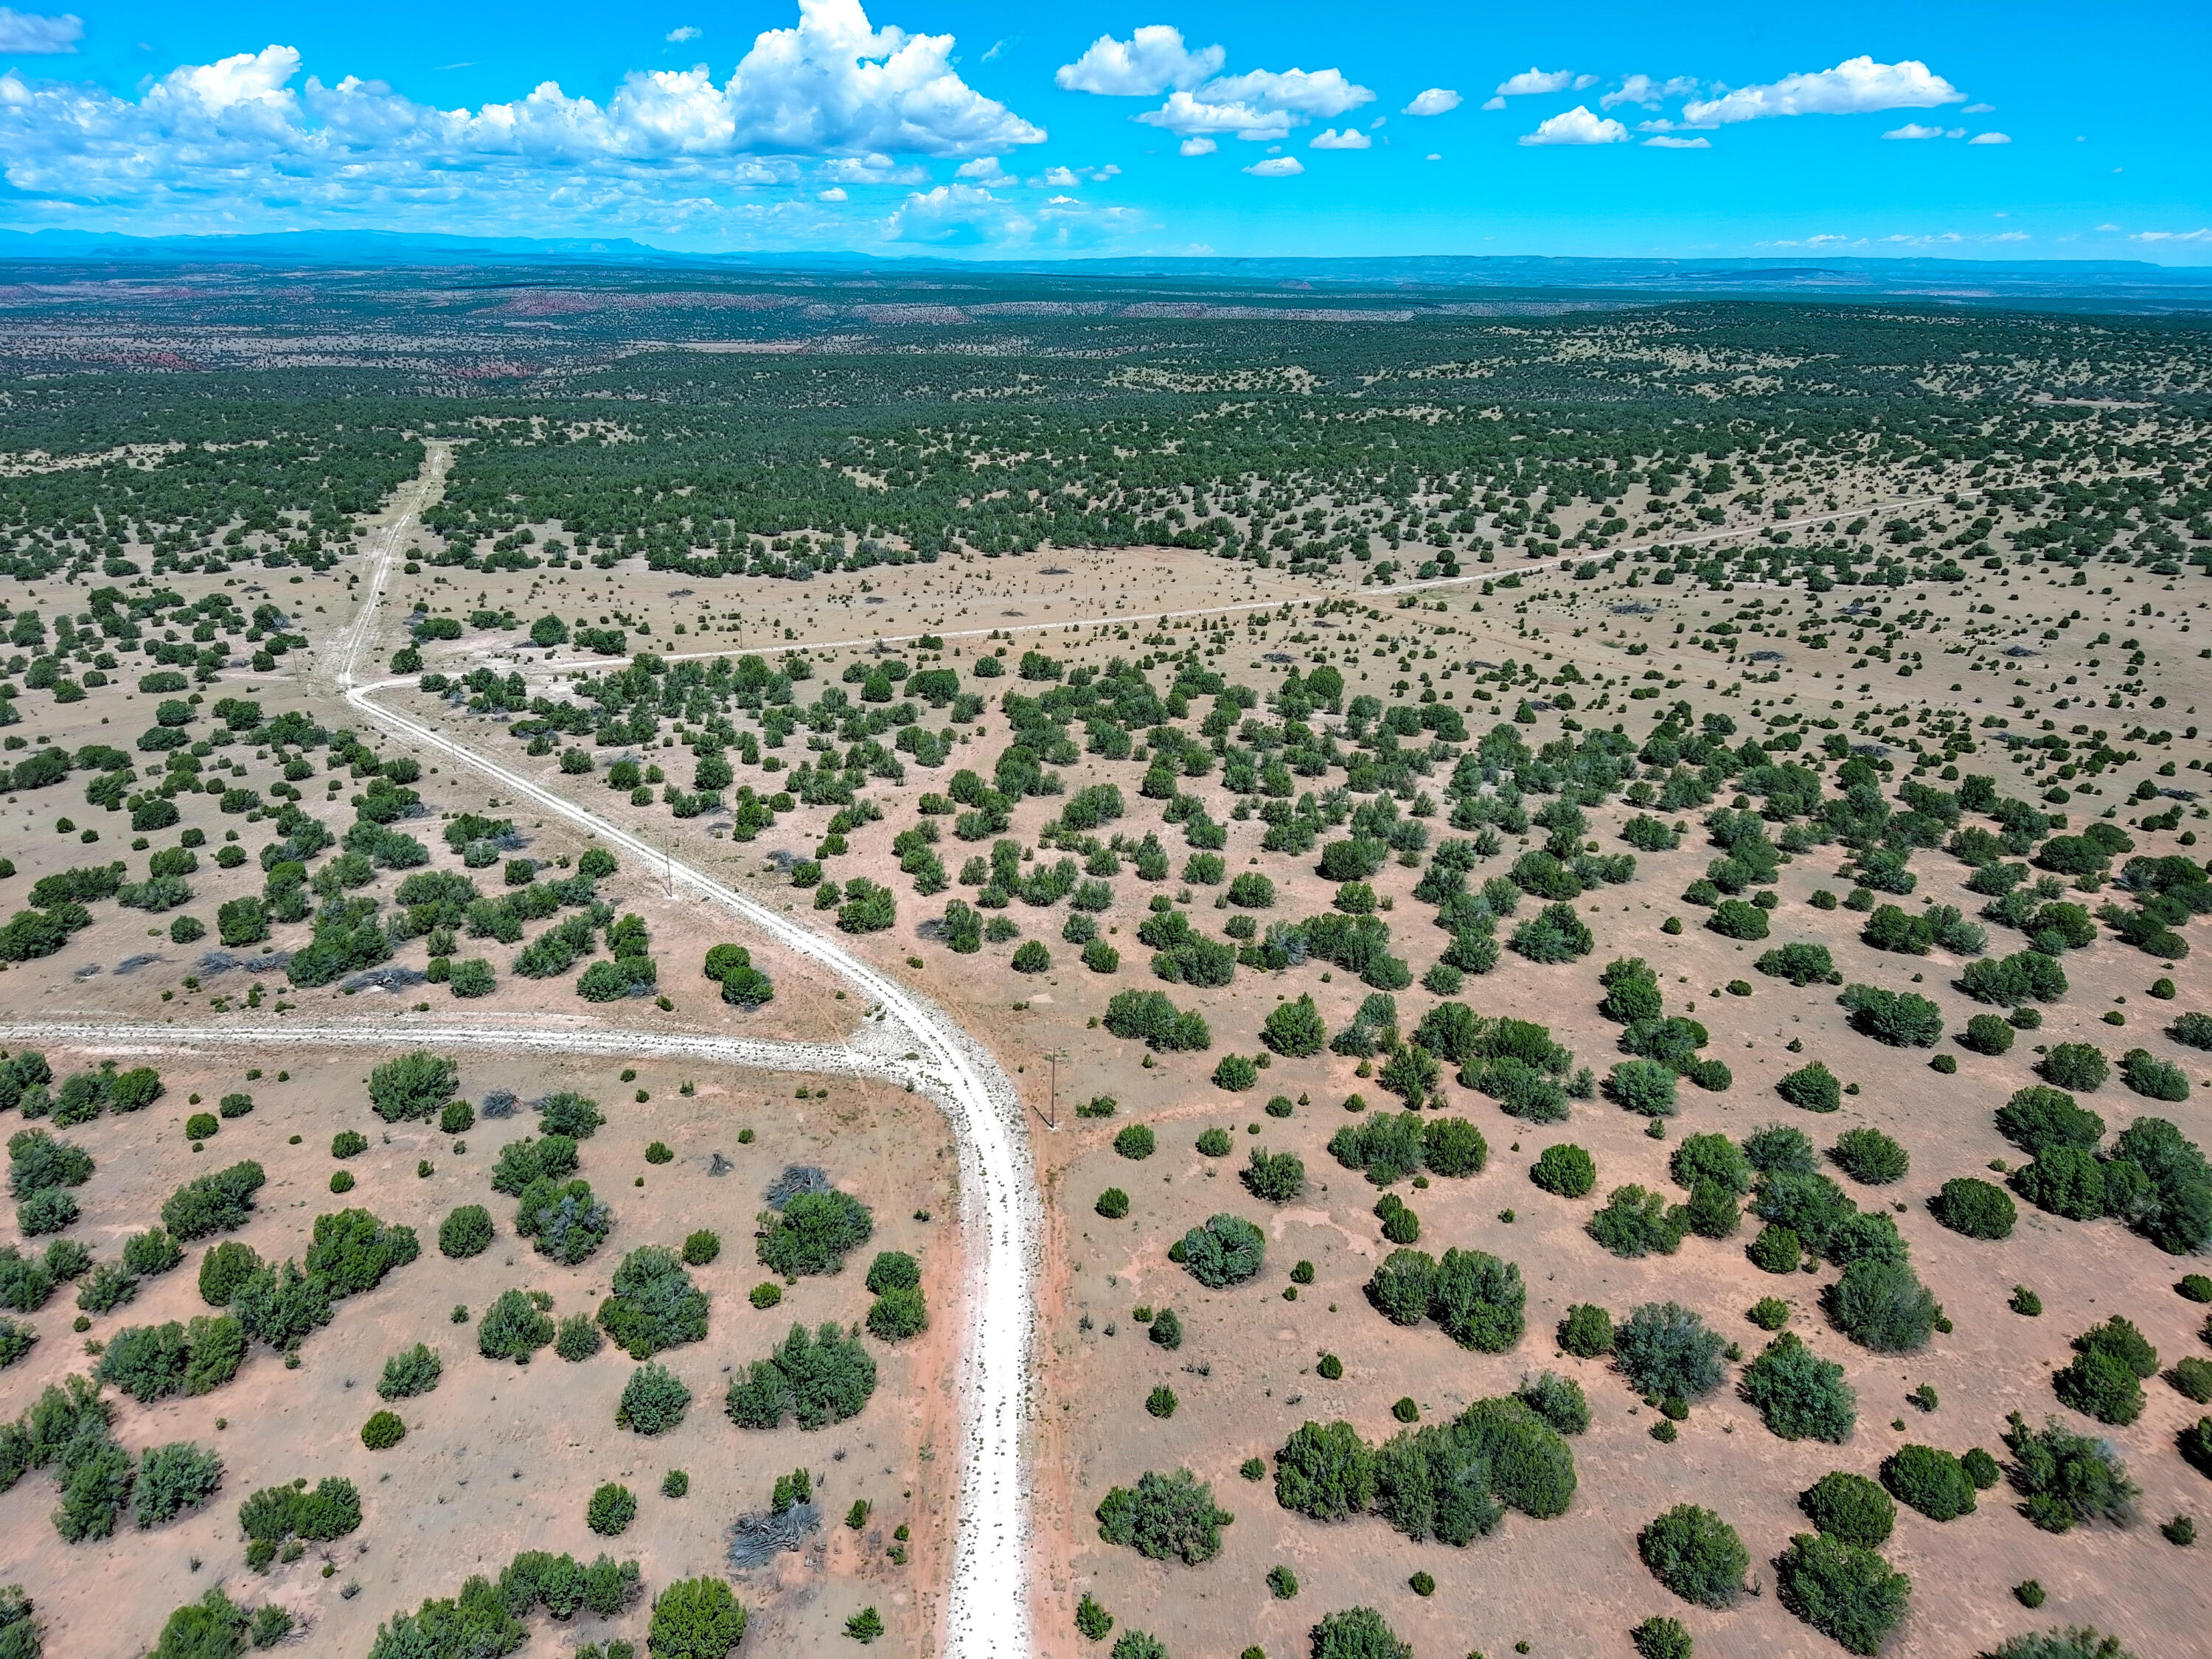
(2099,283)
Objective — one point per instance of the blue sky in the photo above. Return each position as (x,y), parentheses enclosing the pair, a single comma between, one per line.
(978,128)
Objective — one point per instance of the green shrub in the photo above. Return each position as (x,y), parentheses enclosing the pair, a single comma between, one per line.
(1136,1141)
(214,1203)
(1696,1554)
(1709,1160)
(1294,1029)
(414,1085)
(151,1252)
(466,1232)
(812,1233)
(1930,1480)
(1869,1155)
(1987,1034)
(654,1401)
(652,1304)
(611,1509)
(383,1430)
(2105,1378)
(349,1143)
(1325,1472)
(1814,1087)
(1564,1169)
(1777,1249)
(822,1378)
(1663,1348)
(2074,1066)
(2075,1641)
(1769,1313)
(2064,1478)
(1799,1395)
(1356,1634)
(1847,1593)
(1558,1401)
(900,1312)
(1975,1208)
(1658,1637)
(1093,1621)
(1849,1507)
(225,1267)
(2147,1075)
(1900,1019)
(1644,1086)
(1165,1516)
(576,1339)
(212,1627)
(696,1619)
(410,1372)
(1276,1177)
(1227,1251)
(1587,1330)
(1801,965)
(1113,1204)
(1635,1222)
(1883,1306)
(2191,1377)
(513,1328)
(171,1480)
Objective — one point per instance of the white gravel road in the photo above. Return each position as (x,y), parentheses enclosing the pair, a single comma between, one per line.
(905,1038)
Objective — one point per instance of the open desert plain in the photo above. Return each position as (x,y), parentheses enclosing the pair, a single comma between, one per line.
(1028,965)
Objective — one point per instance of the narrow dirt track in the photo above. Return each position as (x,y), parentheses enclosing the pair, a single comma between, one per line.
(905,1039)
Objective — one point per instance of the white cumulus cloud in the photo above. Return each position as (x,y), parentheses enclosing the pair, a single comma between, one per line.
(1276,167)
(1854,87)
(985,168)
(1980,109)
(235,142)
(1435,102)
(1990,138)
(1198,147)
(1578,126)
(1533,79)
(1350,138)
(1643,90)
(28,34)
(1914,130)
(1664,142)
(688,31)
(834,193)
(1152,61)
(1262,106)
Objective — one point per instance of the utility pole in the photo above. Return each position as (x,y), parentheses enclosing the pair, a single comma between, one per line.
(1053,1057)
